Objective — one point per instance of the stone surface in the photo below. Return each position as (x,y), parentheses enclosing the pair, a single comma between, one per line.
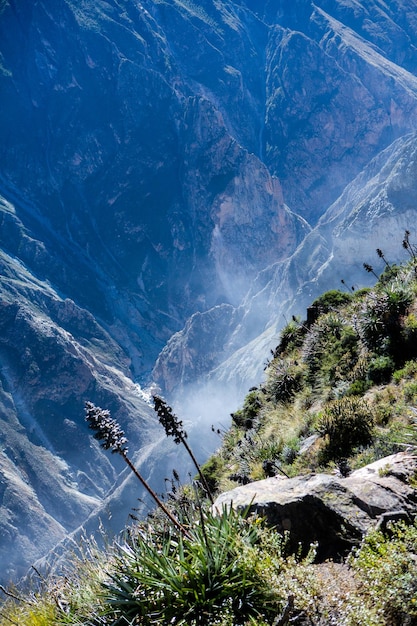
(333,511)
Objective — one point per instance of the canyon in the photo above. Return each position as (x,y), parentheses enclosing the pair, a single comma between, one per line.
(177,180)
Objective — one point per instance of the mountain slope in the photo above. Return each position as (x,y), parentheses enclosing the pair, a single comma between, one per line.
(380,200)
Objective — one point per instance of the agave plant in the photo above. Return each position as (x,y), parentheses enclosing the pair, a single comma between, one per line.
(194,581)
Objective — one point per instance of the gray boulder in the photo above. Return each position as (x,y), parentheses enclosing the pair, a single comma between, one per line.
(331,510)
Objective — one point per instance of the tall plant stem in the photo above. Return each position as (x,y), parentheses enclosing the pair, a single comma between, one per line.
(200,473)
(158,501)
(174,428)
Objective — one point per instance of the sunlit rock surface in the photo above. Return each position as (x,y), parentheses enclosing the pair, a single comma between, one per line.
(329,510)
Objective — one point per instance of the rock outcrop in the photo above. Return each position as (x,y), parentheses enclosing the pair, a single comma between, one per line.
(332,511)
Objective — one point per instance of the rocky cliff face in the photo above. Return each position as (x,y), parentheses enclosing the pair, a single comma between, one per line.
(342,86)
(162,165)
(373,212)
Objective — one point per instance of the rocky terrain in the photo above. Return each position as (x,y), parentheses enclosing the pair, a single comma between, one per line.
(333,511)
(175,180)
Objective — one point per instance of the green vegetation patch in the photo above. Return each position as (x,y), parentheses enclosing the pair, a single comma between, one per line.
(386,567)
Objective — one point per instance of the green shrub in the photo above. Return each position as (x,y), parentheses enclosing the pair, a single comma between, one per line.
(380,369)
(391,440)
(267,450)
(245,417)
(211,471)
(285,378)
(410,391)
(331,300)
(389,274)
(408,371)
(251,453)
(380,319)
(386,566)
(330,351)
(358,387)
(372,320)
(291,337)
(345,423)
(218,573)
(361,293)
(400,296)
(290,452)
(383,414)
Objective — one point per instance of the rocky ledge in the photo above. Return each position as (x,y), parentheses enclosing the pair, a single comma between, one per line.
(333,511)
